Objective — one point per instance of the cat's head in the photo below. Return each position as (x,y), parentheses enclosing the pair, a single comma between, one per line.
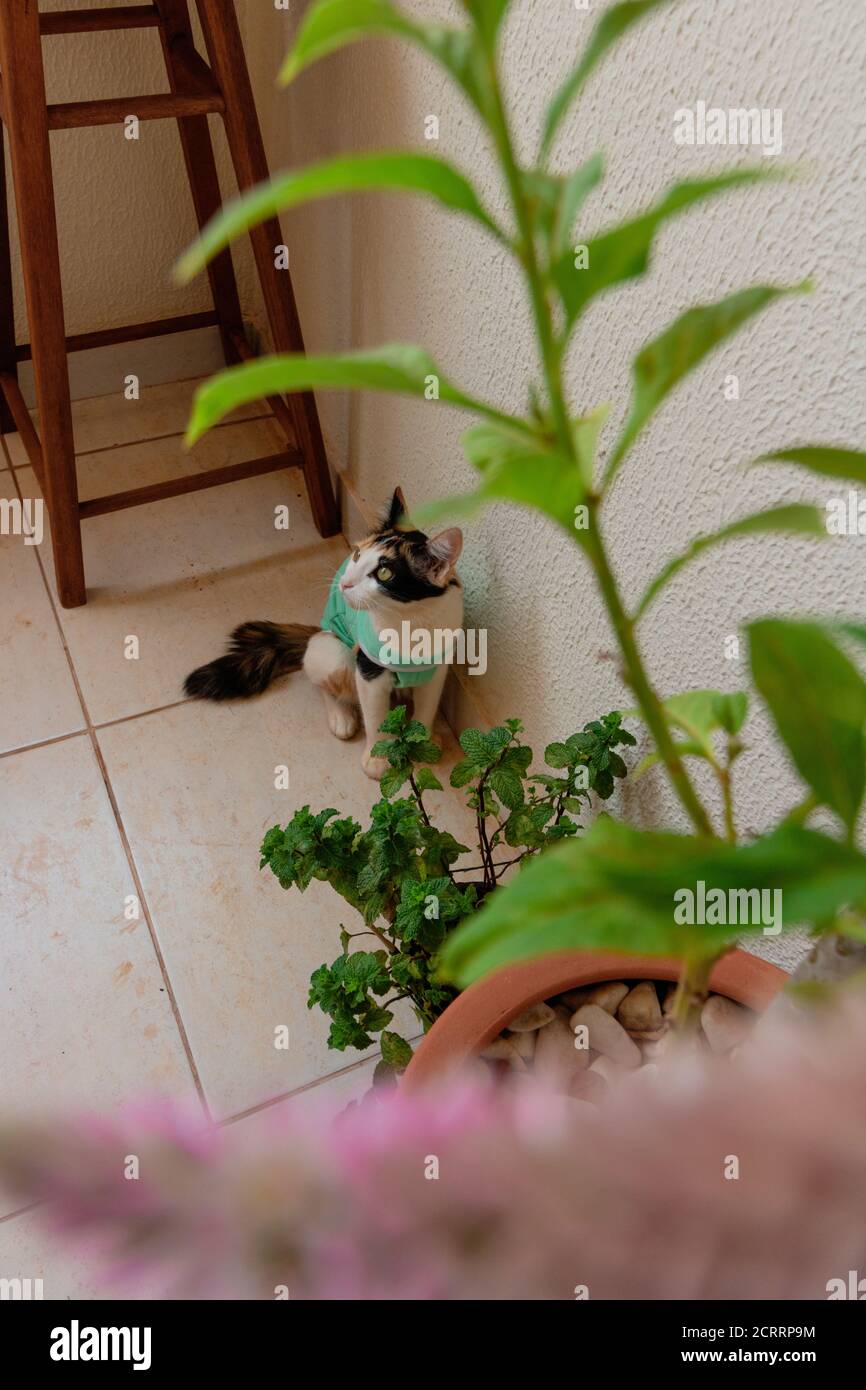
(399,565)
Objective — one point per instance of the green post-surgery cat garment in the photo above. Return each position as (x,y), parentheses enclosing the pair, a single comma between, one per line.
(355,629)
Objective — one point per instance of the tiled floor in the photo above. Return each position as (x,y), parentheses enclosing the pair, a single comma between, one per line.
(114,792)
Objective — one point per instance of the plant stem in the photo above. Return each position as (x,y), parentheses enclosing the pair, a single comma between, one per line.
(389,945)
(728,802)
(651,707)
(529,257)
(650,704)
(483,842)
(692,990)
(417,795)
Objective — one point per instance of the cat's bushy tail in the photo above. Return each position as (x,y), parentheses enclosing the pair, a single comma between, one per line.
(258,653)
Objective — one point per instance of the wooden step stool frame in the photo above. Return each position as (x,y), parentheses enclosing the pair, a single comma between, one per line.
(197,88)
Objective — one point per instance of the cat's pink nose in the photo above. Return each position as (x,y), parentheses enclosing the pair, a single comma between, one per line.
(344,586)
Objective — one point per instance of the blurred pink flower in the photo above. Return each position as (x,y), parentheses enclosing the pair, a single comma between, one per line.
(718,1178)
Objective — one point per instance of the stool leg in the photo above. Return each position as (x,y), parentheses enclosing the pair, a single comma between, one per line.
(202,174)
(228,62)
(8,360)
(27,127)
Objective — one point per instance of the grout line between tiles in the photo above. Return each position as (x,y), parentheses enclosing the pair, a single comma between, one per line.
(124,839)
(300,1090)
(106,724)
(42,743)
(20,1211)
(141,714)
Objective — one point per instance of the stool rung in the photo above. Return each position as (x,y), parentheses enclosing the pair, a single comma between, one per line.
(130,333)
(190,482)
(73,115)
(92,21)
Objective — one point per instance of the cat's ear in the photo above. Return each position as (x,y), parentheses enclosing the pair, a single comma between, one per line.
(444,551)
(396,509)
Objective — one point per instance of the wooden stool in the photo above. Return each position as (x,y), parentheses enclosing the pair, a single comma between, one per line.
(196,88)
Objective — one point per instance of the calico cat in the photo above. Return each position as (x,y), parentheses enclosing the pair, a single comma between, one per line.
(394,576)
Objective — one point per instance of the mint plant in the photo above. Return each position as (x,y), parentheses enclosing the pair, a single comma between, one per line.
(549,458)
(401,875)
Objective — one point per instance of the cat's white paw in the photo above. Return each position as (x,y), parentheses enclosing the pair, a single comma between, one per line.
(343,721)
(374,767)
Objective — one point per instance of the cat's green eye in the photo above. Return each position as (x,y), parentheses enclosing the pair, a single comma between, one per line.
(384,572)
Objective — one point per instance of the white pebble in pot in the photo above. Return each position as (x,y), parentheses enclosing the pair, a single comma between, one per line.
(607,996)
(556,1057)
(524,1043)
(725,1023)
(639,1011)
(536,1016)
(606,1035)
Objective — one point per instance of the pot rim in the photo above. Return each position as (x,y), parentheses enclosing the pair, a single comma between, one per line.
(480,1013)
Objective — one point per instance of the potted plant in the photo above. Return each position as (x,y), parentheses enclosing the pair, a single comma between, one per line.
(401,874)
(616,887)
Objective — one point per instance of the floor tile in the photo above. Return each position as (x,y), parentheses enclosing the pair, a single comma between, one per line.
(38,699)
(178,575)
(105,422)
(195,786)
(85,1016)
(29,1252)
(29,1249)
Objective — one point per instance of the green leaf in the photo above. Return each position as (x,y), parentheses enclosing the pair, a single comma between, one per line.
(427,781)
(623,252)
(392,780)
(515,468)
(377,1018)
(488,15)
(558,755)
(463,773)
(345,1032)
(576,188)
(617,889)
(611,25)
(793,519)
(508,787)
(395,720)
(848,464)
(477,747)
(386,170)
(586,433)
(428,752)
(699,713)
(404,370)
(664,362)
(396,1052)
(332,24)
(817,698)
(602,783)
(686,748)
(555,201)
(731,709)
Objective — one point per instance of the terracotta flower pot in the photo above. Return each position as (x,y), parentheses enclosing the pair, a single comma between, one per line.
(480,1013)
